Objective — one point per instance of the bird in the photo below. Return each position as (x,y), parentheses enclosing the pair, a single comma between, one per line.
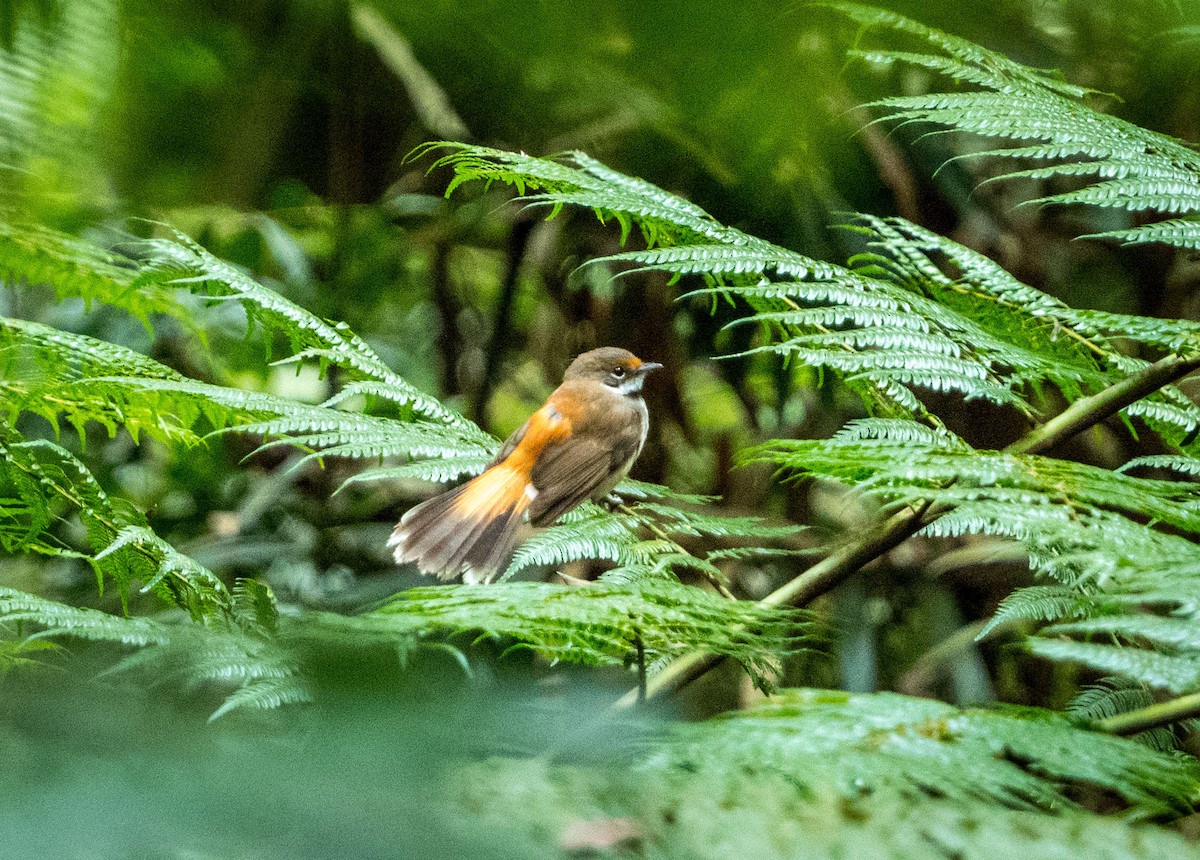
(577,446)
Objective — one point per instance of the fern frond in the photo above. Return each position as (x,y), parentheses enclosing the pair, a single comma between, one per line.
(1178,673)
(32,254)
(1136,169)
(1123,580)
(55,619)
(1181,463)
(580,180)
(1169,634)
(1080,351)
(592,534)
(1113,696)
(448,467)
(183,262)
(869,743)
(600,624)
(262,673)
(1039,603)
(896,325)
(57,75)
(266,694)
(202,586)
(1179,232)
(52,483)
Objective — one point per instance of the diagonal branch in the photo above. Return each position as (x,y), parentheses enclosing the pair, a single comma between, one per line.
(832,570)
(1152,716)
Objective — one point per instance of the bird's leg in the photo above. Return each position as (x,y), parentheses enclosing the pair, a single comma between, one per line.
(612,502)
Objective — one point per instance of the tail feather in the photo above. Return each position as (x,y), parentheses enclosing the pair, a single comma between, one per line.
(475,526)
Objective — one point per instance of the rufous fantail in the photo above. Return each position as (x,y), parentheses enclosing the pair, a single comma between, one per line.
(576,447)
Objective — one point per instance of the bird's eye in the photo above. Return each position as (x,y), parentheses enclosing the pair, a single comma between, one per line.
(618,371)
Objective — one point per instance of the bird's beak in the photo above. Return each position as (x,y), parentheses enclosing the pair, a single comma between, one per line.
(648,366)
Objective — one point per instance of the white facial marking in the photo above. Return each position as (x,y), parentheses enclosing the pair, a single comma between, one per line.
(632,385)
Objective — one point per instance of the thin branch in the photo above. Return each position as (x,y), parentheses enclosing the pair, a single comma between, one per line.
(831,571)
(518,242)
(1152,716)
(1104,404)
(641,667)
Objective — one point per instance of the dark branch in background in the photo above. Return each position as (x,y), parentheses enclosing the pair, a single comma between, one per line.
(831,571)
(448,340)
(518,241)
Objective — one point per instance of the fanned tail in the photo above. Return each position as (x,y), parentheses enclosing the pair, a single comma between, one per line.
(473,527)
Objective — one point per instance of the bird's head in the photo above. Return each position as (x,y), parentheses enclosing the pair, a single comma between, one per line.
(615,367)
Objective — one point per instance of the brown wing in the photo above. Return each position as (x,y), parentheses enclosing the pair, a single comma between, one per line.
(570,473)
(511,443)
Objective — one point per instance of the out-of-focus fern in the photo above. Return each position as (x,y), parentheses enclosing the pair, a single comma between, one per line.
(599,624)
(257,656)
(55,79)
(1132,168)
(1017,757)
(1113,696)
(32,254)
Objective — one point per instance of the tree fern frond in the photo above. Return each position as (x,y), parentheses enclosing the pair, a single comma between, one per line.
(202,586)
(262,673)
(444,469)
(867,743)
(51,483)
(937,348)
(30,351)
(266,694)
(1135,169)
(714,260)
(1081,525)
(1180,232)
(645,490)
(1179,673)
(1181,463)
(894,431)
(1039,603)
(185,263)
(600,623)
(59,375)
(254,607)
(595,535)
(17,607)
(34,254)
(580,180)
(591,533)
(1135,195)
(998,67)
(1076,349)
(1109,697)
(1112,696)
(57,76)
(1169,633)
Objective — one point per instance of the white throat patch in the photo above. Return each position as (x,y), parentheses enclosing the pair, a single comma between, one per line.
(632,385)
